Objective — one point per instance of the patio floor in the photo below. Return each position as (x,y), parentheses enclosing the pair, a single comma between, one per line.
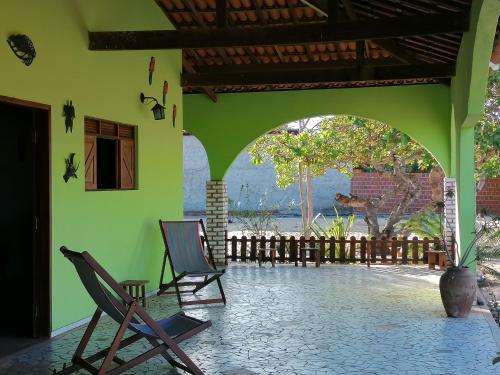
(329,320)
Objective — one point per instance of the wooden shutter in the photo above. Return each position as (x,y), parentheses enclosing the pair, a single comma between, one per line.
(127,164)
(90,162)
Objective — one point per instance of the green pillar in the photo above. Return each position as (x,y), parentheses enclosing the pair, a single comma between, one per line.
(466,192)
(467,98)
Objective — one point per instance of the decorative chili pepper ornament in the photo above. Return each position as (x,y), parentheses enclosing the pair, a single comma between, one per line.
(174,114)
(151,69)
(165,92)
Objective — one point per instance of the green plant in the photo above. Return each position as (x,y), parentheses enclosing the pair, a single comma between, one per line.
(258,222)
(337,227)
(426,223)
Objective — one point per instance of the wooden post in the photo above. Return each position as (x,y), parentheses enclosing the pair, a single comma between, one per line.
(383,249)
(293,249)
(302,243)
(414,250)
(253,248)
(362,249)
(322,249)
(426,249)
(394,250)
(404,250)
(373,250)
(282,249)
(312,254)
(352,249)
(243,249)
(331,246)
(342,249)
(262,250)
(234,248)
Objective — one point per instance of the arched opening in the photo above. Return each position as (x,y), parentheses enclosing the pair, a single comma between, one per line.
(196,173)
(398,185)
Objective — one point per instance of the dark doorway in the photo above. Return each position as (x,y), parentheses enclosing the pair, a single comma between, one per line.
(24,224)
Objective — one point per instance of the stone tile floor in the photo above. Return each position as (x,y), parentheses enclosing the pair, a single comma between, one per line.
(328,320)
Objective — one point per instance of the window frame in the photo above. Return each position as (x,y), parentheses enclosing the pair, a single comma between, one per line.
(123,134)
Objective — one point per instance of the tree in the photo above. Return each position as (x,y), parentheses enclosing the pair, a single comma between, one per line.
(487,134)
(347,142)
(293,150)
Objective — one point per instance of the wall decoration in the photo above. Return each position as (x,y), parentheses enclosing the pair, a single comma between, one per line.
(23,47)
(174,114)
(158,110)
(165,92)
(71,169)
(69,114)
(151,69)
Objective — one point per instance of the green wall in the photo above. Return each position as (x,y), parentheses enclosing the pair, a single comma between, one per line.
(423,112)
(468,91)
(119,228)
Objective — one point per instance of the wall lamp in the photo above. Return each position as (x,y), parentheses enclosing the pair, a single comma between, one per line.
(158,109)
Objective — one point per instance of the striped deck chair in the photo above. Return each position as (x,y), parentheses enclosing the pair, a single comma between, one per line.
(186,257)
(164,335)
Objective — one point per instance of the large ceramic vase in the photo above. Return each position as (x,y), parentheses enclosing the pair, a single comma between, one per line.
(458,290)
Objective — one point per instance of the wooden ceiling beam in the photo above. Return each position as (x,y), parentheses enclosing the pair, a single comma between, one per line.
(391,46)
(221,13)
(294,67)
(208,90)
(296,34)
(318,76)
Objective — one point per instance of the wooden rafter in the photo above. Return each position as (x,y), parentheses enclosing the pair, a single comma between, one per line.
(297,34)
(187,65)
(318,76)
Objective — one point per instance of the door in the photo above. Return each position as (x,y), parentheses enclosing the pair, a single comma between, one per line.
(24,223)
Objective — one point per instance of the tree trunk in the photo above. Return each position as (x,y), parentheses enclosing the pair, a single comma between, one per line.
(310,211)
(410,191)
(369,205)
(303,210)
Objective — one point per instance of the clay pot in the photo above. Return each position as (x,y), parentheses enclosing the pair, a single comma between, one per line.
(458,290)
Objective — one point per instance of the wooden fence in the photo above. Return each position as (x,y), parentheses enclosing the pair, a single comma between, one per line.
(370,251)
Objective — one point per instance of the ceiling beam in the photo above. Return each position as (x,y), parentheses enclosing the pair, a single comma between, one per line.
(221,13)
(318,76)
(186,64)
(294,67)
(208,90)
(295,34)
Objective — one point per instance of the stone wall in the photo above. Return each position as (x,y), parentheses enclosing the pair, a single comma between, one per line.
(366,184)
(217,219)
(489,196)
(372,184)
(259,178)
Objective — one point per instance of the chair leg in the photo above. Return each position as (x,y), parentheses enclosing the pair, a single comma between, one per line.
(88,333)
(221,290)
(115,345)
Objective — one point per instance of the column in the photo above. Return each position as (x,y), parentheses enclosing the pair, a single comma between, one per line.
(450,210)
(216,210)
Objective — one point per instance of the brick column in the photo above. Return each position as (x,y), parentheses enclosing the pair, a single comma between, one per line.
(216,211)
(450,209)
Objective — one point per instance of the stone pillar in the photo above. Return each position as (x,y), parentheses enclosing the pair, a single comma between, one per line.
(216,210)
(450,209)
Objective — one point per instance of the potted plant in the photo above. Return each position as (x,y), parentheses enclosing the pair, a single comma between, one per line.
(458,284)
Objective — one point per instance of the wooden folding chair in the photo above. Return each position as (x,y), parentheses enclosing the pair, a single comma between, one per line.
(186,257)
(164,335)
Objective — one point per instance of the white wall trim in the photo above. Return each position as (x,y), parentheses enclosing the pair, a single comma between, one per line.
(84,321)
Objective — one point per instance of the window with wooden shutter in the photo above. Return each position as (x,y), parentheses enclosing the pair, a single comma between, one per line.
(90,162)
(110,155)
